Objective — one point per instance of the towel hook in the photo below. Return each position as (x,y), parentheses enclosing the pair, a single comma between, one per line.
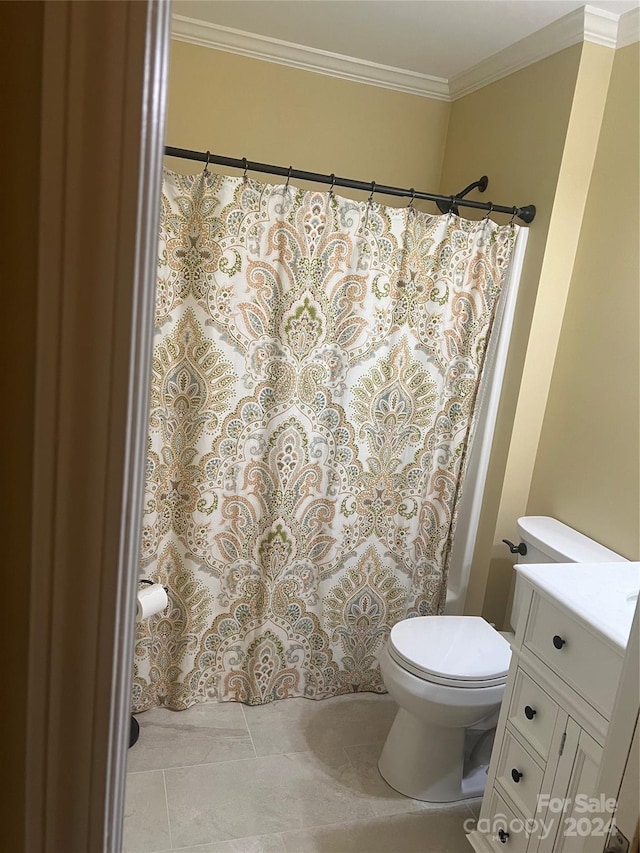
(485,218)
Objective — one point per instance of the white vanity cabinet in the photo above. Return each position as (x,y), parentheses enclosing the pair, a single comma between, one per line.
(553,721)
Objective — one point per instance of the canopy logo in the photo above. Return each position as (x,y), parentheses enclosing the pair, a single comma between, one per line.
(589,817)
(501,827)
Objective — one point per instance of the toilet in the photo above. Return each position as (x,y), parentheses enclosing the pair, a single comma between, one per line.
(447,674)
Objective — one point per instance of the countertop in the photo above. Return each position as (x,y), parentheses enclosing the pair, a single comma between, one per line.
(601,595)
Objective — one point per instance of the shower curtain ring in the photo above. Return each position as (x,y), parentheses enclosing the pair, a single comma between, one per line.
(514,213)
(490,203)
(373,189)
(205,171)
(246,166)
(286,186)
(453,204)
(413,198)
(333,181)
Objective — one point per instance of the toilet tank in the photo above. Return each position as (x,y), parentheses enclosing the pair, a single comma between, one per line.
(550,541)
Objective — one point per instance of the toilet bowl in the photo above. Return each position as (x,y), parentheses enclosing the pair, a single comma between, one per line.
(447,675)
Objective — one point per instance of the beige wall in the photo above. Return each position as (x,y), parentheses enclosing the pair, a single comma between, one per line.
(270,113)
(587,467)
(514,131)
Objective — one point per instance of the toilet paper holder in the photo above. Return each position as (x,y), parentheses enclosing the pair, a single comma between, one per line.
(134,725)
(151,583)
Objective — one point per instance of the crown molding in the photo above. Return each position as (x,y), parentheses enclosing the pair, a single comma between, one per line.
(597,26)
(254,46)
(584,24)
(629,28)
(601,27)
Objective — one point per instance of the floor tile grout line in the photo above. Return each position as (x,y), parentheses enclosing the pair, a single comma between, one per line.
(473,814)
(341,749)
(319,826)
(228,840)
(247,758)
(246,722)
(363,819)
(199,764)
(151,770)
(376,816)
(166,803)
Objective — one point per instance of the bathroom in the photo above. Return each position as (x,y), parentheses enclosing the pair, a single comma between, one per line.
(555,132)
(291,109)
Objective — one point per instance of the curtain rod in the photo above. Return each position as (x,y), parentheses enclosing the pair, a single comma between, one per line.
(526,214)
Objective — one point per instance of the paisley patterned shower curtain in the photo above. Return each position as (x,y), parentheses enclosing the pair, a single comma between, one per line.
(315,369)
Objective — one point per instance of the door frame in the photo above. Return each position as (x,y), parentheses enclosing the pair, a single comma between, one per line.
(104,91)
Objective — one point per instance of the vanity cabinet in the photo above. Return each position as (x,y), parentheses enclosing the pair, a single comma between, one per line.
(552,726)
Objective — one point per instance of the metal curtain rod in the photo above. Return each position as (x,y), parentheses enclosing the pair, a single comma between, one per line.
(526,214)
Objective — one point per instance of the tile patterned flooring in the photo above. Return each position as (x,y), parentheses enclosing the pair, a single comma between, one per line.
(295,776)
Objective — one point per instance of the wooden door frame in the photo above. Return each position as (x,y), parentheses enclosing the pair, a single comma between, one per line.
(104,87)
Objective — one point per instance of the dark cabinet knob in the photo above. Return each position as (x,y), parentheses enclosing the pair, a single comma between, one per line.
(503,836)
(516,775)
(529,712)
(558,642)
(516,549)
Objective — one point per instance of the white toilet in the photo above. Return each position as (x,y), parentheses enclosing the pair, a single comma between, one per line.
(447,674)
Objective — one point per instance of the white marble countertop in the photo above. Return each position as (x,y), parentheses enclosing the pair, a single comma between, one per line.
(602,595)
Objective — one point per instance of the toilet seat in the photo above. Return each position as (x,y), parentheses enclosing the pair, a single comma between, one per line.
(458,651)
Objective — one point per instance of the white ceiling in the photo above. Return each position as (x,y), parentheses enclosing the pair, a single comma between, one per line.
(441,38)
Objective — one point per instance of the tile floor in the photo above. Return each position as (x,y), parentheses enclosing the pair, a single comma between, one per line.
(295,776)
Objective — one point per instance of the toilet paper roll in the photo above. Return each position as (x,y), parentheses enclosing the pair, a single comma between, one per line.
(152,599)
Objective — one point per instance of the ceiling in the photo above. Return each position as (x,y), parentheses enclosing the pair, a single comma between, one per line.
(440,38)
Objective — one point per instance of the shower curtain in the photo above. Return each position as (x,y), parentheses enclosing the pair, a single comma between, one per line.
(315,370)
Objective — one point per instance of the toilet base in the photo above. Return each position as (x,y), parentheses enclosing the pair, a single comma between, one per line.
(474,782)
(427,762)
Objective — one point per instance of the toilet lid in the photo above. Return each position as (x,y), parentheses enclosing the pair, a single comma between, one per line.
(449,649)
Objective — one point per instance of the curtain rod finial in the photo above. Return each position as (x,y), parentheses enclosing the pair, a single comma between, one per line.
(528,213)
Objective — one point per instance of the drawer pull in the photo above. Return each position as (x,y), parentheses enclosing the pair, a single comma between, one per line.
(529,712)
(558,642)
(503,836)
(516,775)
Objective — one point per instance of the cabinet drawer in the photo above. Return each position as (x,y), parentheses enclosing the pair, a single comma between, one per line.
(579,657)
(532,713)
(505,830)
(519,775)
